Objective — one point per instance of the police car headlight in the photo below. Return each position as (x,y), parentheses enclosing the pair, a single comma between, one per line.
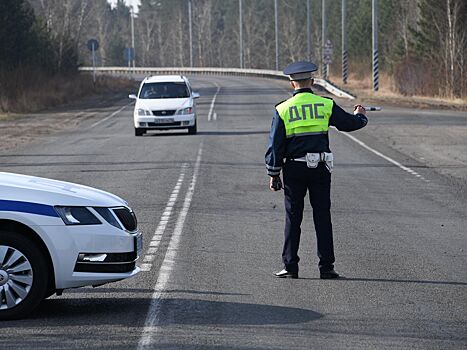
(143,112)
(77,216)
(187,110)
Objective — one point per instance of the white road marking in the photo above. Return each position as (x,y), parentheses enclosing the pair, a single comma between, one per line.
(379,154)
(213,102)
(111,115)
(157,236)
(145,267)
(152,318)
(215,116)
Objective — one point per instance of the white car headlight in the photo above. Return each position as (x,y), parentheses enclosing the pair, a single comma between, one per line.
(143,112)
(187,110)
(77,216)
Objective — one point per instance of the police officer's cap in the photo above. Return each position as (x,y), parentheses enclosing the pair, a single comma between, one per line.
(300,70)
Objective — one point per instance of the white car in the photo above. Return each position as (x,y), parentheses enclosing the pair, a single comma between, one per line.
(56,235)
(165,102)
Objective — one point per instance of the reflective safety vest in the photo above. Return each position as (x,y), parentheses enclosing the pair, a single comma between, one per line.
(305,114)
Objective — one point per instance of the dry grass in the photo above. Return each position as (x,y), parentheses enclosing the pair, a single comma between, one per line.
(26,91)
(362,87)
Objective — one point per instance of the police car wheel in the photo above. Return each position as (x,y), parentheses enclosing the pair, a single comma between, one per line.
(192,129)
(23,275)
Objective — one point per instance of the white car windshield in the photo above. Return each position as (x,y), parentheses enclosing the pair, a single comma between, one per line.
(164,90)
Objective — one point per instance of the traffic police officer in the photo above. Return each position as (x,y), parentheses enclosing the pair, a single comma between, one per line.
(299,146)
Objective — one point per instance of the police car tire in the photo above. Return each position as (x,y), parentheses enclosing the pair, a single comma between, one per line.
(139,132)
(193,129)
(37,260)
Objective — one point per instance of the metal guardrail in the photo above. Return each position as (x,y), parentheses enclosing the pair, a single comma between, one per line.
(215,71)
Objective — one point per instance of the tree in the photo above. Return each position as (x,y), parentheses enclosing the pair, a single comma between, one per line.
(441,40)
(17,33)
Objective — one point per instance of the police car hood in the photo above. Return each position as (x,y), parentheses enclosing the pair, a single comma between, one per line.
(163,104)
(53,192)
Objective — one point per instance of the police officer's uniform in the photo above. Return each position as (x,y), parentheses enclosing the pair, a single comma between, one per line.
(299,146)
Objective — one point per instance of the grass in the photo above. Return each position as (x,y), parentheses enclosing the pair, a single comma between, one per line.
(363,89)
(29,90)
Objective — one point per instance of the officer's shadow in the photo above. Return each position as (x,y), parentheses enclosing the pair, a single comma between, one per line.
(383,280)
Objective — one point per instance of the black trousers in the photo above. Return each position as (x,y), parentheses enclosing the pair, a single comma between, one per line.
(298,178)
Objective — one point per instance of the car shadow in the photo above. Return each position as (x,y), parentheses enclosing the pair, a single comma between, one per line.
(78,312)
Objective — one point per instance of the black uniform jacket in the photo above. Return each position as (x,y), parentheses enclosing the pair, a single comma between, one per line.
(280,147)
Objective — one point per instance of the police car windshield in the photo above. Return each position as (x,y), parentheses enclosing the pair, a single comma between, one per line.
(164,90)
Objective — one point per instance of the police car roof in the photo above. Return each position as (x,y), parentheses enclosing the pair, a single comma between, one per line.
(165,79)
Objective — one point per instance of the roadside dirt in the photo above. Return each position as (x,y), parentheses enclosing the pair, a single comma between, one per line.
(410,102)
(18,130)
(362,89)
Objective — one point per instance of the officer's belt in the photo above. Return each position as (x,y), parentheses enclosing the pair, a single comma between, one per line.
(312,160)
(322,157)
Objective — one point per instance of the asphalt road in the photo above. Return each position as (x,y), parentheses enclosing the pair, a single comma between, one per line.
(400,233)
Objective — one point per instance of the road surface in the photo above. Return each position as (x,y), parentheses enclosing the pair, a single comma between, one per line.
(213,237)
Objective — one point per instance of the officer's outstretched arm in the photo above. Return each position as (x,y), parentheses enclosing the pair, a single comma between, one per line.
(344,121)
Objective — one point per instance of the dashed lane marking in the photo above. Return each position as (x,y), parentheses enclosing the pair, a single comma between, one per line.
(213,102)
(152,318)
(165,218)
(111,115)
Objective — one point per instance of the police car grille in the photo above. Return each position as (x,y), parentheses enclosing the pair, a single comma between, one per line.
(127,218)
(164,112)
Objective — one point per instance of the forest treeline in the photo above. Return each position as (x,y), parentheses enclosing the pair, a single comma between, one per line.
(41,46)
(422,43)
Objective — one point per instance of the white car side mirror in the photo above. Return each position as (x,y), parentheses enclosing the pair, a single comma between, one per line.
(132,96)
(195,95)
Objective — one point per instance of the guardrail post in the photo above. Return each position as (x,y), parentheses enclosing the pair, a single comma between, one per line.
(375,45)
(324,67)
(345,58)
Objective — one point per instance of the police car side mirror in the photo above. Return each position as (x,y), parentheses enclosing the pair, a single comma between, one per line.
(132,96)
(195,95)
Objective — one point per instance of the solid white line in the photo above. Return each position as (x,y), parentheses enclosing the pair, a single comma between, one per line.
(152,318)
(157,236)
(213,102)
(379,154)
(110,116)
(145,267)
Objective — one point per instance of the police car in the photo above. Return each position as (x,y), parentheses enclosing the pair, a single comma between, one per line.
(56,235)
(165,102)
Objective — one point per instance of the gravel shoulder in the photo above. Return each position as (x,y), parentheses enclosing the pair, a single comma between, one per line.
(18,130)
